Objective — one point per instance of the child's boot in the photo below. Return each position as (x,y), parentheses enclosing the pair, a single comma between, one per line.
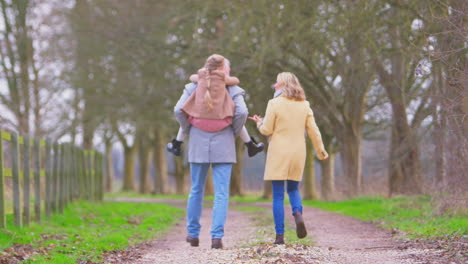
(253,147)
(175,147)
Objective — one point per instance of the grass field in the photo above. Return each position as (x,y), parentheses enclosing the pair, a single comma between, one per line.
(86,230)
(415,216)
(236,199)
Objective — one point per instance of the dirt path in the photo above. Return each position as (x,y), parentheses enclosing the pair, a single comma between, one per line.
(354,241)
(336,239)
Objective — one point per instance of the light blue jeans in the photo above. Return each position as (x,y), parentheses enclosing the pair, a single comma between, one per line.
(221,180)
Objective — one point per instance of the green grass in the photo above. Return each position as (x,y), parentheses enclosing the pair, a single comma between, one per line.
(249,198)
(413,215)
(139,195)
(85,230)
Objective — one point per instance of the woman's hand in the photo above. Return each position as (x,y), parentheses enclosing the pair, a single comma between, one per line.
(256,118)
(322,155)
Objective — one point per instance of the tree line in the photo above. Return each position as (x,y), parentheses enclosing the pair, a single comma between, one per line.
(109,72)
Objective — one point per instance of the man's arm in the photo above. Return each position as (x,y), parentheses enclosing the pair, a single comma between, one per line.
(180,115)
(241,112)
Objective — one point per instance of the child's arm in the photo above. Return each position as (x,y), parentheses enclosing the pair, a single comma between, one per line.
(194,78)
(230,80)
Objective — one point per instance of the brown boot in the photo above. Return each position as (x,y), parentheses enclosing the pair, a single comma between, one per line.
(194,241)
(216,243)
(279,240)
(300,226)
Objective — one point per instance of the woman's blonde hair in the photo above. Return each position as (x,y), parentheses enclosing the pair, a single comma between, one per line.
(214,62)
(292,88)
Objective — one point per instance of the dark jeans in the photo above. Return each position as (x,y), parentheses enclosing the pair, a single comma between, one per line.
(278,202)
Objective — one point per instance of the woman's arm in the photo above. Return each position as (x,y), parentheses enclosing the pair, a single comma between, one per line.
(314,135)
(267,125)
(231,80)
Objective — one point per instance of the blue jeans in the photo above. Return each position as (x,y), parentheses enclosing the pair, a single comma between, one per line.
(278,202)
(221,180)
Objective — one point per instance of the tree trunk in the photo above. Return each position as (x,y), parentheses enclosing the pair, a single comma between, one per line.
(109,166)
(180,175)
(129,168)
(352,163)
(144,159)
(328,177)
(310,190)
(236,179)
(267,190)
(404,167)
(88,128)
(160,164)
(24,60)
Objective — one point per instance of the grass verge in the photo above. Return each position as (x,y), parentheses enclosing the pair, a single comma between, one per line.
(415,215)
(250,198)
(86,230)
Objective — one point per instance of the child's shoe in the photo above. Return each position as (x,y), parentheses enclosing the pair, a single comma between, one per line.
(253,147)
(175,147)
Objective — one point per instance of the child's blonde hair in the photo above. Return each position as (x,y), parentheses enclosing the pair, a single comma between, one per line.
(214,62)
(292,87)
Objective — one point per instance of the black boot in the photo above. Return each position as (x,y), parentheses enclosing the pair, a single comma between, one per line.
(253,147)
(175,147)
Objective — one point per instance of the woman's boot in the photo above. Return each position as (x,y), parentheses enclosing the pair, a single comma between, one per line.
(253,147)
(279,240)
(300,226)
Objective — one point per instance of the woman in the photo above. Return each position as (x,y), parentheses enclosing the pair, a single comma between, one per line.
(216,149)
(287,116)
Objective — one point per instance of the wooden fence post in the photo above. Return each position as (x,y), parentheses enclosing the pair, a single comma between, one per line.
(83,174)
(37,179)
(48,178)
(88,175)
(2,185)
(26,180)
(54,193)
(61,178)
(65,175)
(16,182)
(96,176)
(74,186)
(101,170)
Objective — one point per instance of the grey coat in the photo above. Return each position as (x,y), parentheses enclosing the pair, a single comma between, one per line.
(217,147)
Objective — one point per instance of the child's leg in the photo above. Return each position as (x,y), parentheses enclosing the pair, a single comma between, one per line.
(278,206)
(294,196)
(244,135)
(180,135)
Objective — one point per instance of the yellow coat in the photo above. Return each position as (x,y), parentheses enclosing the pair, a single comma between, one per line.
(285,122)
